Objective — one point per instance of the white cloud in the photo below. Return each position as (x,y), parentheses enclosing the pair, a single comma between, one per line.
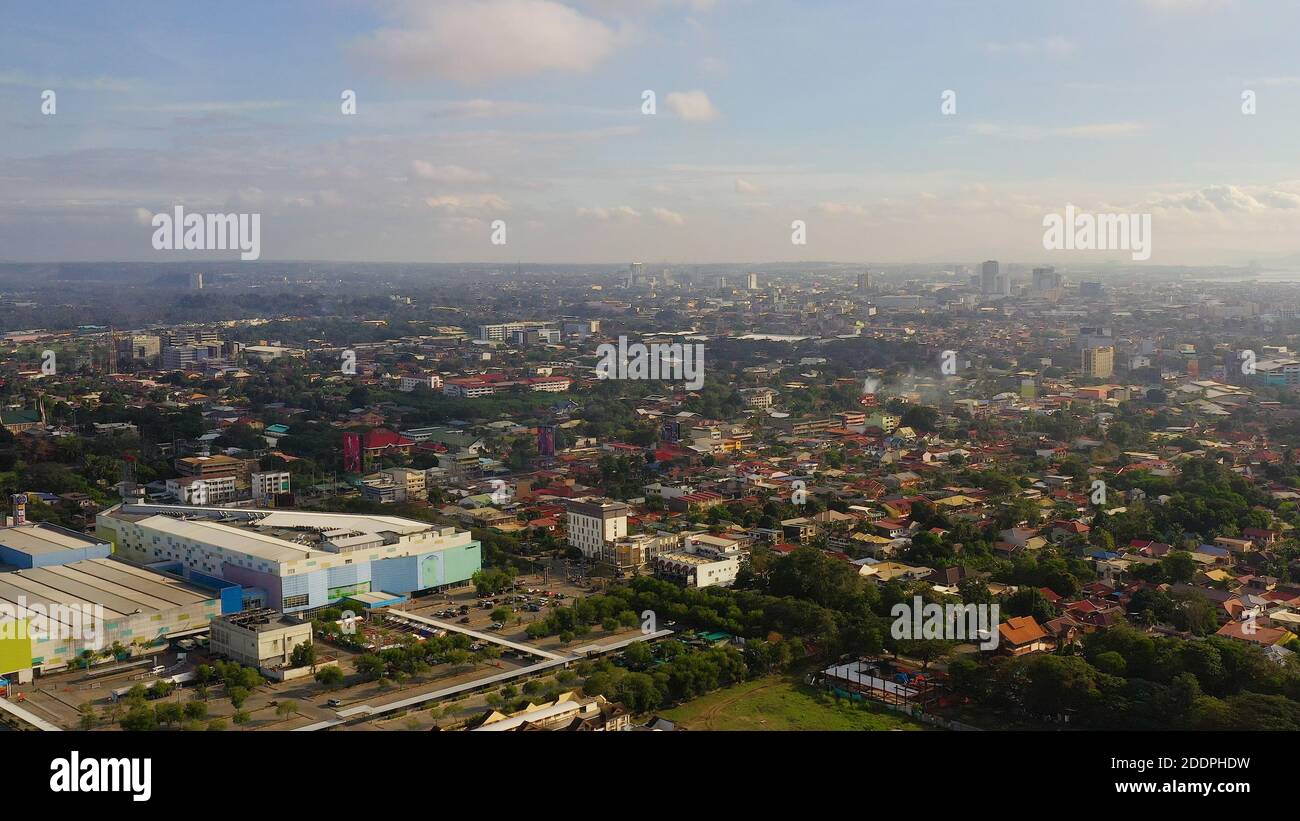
(1228,199)
(19,78)
(454,174)
(668,217)
(482,41)
(1055,46)
(692,106)
(1034,132)
(622,212)
(459,205)
(838,209)
(744,187)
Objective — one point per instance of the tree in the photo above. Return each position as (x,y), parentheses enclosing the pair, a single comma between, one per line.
(238,695)
(369,666)
(1179,566)
(168,713)
(330,676)
(286,708)
(638,655)
(139,717)
(1030,601)
(303,655)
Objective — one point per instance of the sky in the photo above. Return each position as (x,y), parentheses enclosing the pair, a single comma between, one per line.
(532,113)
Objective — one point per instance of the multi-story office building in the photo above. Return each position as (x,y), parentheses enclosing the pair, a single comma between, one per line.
(191,336)
(593,522)
(989,277)
(209,467)
(181,357)
(1046,280)
(258,638)
(1281,373)
(290,559)
(1099,362)
(704,561)
(430,380)
(758,397)
(502,332)
(267,484)
(138,347)
(410,484)
(192,490)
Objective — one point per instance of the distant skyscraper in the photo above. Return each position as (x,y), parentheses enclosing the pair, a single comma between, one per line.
(196,281)
(1046,279)
(722,283)
(751,282)
(864,280)
(1099,362)
(989,277)
(634,274)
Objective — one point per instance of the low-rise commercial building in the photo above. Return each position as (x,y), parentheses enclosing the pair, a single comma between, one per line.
(258,638)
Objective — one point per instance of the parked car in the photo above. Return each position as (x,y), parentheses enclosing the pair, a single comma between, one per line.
(334,704)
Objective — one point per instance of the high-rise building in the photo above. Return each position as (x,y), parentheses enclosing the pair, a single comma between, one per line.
(864,280)
(137,347)
(1046,280)
(1099,363)
(751,282)
(191,336)
(594,522)
(989,277)
(196,281)
(634,274)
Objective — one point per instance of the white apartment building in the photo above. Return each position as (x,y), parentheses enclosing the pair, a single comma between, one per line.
(431,381)
(758,397)
(468,389)
(594,522)
(210,490)
(268,483)
(410,484)
(703,561)
(502,332)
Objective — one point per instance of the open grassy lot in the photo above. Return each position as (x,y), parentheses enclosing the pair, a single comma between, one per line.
(778,703)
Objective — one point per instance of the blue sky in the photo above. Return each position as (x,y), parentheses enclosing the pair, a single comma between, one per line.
(529,111)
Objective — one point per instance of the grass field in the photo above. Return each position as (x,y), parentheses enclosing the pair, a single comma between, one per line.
(777,703)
